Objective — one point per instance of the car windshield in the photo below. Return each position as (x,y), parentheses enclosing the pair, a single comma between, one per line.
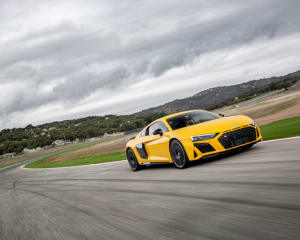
(191,118)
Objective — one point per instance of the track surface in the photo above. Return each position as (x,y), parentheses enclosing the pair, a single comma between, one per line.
(251,195)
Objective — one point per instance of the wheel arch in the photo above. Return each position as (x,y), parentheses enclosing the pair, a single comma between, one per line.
(172,139)
(133,149)
(187,146)
(127,149)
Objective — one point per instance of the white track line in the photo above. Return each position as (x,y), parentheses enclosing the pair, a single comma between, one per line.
(280,139)
(79,166)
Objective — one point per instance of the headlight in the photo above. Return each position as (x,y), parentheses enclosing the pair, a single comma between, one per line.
(252,124)
(203,137)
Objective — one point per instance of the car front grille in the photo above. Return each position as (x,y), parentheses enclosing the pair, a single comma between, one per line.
(237,137)
(204,147)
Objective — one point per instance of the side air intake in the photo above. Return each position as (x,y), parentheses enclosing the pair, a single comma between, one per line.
(204,147)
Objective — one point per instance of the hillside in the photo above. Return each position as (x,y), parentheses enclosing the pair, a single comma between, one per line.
(17,139)
(220,96)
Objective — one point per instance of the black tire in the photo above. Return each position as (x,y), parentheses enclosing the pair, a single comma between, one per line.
(132,160)
(178,154)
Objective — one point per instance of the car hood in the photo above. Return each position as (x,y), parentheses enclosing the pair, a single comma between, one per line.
(215,126)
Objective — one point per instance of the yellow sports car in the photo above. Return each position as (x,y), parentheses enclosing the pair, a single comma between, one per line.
(188,136)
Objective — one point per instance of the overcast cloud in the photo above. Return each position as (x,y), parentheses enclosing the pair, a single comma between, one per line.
(65,59)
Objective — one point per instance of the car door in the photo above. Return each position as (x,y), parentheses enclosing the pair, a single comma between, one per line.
(156,145)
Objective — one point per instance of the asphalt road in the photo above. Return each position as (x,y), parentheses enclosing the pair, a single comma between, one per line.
(251,195)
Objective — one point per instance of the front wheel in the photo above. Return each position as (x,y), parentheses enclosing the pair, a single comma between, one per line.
(132,160)
(178,154)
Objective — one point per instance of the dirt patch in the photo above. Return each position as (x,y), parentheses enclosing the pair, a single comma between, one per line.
(102,148)
(277,107)
(28,156)
(293,111)
(270,110)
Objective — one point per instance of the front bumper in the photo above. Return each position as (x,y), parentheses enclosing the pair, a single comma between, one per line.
(228,151)
(237,138)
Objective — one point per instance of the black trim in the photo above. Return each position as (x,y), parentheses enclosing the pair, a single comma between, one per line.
(142,150)
(228,151)
(238,137)
(204,147)
(257,132)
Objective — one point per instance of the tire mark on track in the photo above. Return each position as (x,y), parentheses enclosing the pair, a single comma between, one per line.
(171,181)
(262,162)
(248,202)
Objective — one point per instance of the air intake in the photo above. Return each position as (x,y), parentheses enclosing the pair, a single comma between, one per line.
(204,147)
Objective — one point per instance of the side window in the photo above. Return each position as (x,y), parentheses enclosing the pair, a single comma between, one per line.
(163,127)
(156,126)
(143,133)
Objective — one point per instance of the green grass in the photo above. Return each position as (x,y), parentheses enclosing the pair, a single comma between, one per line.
(289,127)
(109,157)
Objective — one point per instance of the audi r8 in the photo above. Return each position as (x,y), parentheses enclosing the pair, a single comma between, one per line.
(188,136)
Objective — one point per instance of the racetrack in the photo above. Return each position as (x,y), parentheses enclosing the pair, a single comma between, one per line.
(251,195)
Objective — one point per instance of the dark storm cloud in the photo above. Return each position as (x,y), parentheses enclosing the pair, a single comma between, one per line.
(89,83)
(69,60)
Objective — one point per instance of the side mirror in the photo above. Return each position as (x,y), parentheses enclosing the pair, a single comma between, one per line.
(222,115)
(158,132)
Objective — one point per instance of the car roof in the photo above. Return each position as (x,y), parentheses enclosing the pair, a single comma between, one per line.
(169,116)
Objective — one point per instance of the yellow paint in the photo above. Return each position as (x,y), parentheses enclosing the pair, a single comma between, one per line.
(157,146)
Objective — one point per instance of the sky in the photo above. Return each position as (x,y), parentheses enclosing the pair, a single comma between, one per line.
(66,59)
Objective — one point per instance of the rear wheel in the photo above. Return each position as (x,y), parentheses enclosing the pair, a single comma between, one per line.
(132,160)
(178,154)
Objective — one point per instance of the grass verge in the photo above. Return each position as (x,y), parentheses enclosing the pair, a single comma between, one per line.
(289,127)
(5,162)
(109,157)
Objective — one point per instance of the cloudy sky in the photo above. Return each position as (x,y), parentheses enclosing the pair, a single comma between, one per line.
(64,59)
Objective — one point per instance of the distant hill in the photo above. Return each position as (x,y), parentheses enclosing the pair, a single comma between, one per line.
(17,139)
(220,96)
